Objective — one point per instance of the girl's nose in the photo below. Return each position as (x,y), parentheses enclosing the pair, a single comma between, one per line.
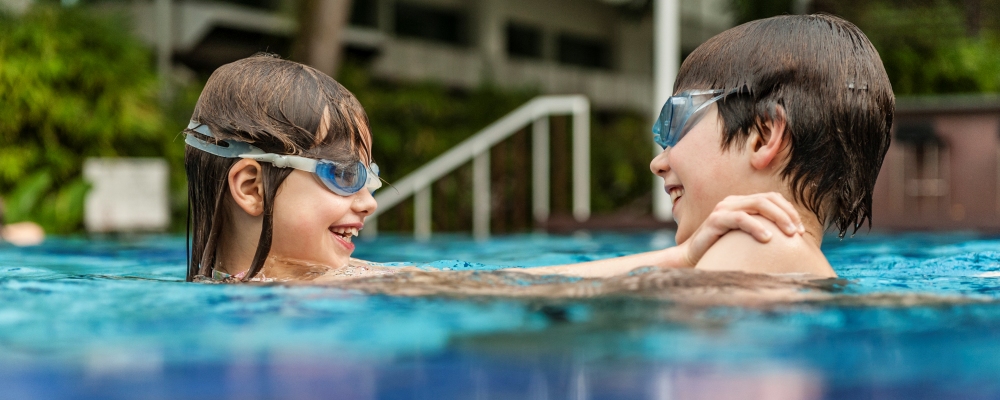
(364,203)
(661,163)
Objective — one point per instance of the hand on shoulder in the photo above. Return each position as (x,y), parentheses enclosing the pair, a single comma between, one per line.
(736,213)
(739,251)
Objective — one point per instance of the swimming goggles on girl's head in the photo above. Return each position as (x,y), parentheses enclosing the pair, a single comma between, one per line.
(687,106)
(344,179)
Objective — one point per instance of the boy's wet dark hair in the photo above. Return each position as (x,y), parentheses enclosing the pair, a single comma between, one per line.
(836,95)
(280,107)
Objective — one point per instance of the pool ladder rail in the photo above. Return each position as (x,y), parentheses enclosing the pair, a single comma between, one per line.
(477,149)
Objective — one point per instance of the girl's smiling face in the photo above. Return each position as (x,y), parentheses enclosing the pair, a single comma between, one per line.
(698,173)
(313,224)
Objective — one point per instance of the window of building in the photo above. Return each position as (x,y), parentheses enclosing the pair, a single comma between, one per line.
(431,23)
(583,51)
(364,13)
(272,5)
(524,41)
(925,169)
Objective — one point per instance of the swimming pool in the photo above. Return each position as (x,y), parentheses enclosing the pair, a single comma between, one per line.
(114,319)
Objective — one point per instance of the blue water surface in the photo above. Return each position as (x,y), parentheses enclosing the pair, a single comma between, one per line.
(114,319)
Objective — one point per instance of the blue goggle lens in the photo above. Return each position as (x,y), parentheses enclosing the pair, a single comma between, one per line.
(345,180)
(672,124)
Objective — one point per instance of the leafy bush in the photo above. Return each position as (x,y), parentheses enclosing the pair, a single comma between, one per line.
(929,50)
(927,46)
(413,123)
(73,85)
(76,85)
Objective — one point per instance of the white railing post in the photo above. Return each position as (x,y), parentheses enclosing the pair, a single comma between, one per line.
(477,149)
(540,169)
(666,62)
(481,195)
(581,160)
(422,213)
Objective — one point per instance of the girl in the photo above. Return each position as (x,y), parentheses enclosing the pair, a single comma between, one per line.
(280,179)
(279,168)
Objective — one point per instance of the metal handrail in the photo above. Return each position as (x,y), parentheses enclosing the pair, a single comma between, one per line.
(476,149)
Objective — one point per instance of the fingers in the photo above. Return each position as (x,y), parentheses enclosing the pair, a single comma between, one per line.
(739,220)
(772,206)
(788,208)
(737,213)
(718,224)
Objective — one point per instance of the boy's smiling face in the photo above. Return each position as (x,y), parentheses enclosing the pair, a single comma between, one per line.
(698,173)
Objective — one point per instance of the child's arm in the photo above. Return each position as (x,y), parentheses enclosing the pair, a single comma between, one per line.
(733,213)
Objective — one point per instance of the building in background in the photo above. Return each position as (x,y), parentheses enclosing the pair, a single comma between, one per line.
(600,48)
(942,171)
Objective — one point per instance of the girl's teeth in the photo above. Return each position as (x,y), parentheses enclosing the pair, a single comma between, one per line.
(674,194)
(347,232)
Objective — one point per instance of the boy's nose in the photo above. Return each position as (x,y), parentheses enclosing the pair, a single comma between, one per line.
(364,203)
(661,163)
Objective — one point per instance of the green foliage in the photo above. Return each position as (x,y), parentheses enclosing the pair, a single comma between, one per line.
(927,46)
(414,123)
(621,150)
(73,85)
(927,49)
(36,199)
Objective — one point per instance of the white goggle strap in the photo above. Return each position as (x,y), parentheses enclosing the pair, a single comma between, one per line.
(234,149)
(373,183)
(237,149)
(284,161)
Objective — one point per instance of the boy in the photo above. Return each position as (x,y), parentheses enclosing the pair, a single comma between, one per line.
(796,105)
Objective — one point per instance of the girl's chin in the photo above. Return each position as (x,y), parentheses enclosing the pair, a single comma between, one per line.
(333,258)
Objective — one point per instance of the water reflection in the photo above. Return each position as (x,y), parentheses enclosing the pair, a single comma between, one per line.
(447,376)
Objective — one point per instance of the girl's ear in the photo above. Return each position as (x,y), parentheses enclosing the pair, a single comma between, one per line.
(770,139)
(246,184)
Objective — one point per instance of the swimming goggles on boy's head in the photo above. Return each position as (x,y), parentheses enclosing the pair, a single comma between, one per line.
(344,179)
(687,106)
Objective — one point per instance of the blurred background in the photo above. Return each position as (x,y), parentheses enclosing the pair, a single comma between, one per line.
(89,79)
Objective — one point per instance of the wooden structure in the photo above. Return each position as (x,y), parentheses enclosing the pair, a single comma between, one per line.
(942,171)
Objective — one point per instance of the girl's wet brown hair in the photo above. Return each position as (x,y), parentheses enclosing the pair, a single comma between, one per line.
(280,107)
(838,104)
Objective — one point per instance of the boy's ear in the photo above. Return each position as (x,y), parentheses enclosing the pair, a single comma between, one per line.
(246,185)
(771,137)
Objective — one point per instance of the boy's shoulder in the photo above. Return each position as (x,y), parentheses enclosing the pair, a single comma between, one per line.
(738,251)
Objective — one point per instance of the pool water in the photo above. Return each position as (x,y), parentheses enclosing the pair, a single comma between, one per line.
(114,319)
